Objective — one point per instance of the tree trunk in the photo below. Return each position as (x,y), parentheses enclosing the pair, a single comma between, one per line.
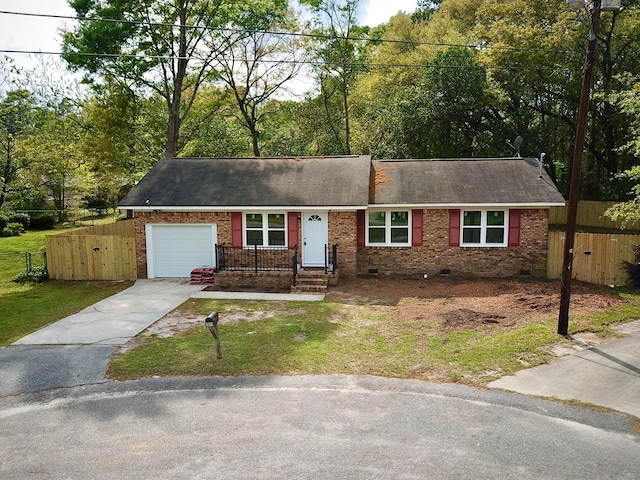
(254,141)
(174,122)
(173,128)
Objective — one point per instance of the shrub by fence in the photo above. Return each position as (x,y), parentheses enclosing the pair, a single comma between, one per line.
(11,264)
(103,252)
(598,258)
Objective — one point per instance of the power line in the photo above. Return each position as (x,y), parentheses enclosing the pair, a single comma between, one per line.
(301,62)
(281,33)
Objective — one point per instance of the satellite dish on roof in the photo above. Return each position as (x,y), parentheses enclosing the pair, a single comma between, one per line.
(517,144)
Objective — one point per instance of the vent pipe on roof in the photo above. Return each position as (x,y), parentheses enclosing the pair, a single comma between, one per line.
(541,163)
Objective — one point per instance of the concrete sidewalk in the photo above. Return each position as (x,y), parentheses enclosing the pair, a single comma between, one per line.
(607,375)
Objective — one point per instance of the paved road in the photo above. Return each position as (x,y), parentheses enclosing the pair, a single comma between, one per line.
(311,427)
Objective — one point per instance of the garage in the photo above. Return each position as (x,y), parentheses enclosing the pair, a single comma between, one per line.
(175,250)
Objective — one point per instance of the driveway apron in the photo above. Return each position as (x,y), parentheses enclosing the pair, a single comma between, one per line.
(76,350)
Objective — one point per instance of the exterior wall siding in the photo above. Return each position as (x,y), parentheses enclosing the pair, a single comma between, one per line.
(435,254)
(343,231)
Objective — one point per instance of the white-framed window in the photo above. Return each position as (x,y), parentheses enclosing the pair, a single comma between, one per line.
(265,229)
(484,228)
(389,228)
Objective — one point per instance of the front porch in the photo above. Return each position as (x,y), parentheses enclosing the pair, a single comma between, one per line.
(273,269)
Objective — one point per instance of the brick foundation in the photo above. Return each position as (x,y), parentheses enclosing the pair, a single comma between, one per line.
(249,280)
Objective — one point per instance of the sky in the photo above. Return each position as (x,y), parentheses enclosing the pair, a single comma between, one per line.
(41,34)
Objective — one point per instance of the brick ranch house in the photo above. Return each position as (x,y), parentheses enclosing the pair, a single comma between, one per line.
(250,217)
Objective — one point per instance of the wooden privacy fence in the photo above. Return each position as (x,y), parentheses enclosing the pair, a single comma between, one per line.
(103,252)
(597,257)
(590,214)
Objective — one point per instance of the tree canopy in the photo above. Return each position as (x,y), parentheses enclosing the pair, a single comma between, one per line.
(457,78)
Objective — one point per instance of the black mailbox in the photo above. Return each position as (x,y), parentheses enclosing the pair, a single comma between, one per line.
(211,320)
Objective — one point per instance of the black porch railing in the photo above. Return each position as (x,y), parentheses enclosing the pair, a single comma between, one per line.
(256,258)
(269,259)
(331,258)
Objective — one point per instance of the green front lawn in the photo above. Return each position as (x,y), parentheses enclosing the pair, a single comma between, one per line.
(26,308)
(334,338)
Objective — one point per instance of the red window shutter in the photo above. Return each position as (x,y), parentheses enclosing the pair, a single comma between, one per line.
(292,229)
(361,227)
(236,229)
(416,228)
(514,228)
(454,228)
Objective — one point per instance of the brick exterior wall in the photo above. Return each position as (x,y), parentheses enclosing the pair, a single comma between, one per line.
(435,254)
(343,231)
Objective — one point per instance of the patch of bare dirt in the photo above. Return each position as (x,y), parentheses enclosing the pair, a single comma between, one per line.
(446,303)
(464,303)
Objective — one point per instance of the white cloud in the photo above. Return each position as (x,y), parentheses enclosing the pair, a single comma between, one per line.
(379,11)
(32,33)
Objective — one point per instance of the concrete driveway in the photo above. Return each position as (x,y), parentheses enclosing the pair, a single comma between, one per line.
(76,350)
(117,319)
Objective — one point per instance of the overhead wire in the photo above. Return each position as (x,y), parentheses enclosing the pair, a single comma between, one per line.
(281,61)
(286,33)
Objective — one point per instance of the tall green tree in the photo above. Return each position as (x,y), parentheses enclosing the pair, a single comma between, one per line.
(121,139)
(57,167)
(166,46)
(340,56)
(258,65)
(629,102)
(16,123)
(450,111)
(535,51)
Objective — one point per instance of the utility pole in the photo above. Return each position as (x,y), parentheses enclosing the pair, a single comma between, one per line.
(576,166)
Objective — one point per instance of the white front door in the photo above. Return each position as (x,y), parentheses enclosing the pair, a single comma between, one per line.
(315,236)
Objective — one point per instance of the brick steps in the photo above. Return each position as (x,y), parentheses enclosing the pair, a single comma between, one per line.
(310,282)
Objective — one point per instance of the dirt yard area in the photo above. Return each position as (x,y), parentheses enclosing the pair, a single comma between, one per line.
(452,303)
(456,303)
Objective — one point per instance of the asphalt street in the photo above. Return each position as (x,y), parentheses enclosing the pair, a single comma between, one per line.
(311,427)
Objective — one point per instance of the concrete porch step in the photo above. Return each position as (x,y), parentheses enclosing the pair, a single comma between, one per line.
(307,282)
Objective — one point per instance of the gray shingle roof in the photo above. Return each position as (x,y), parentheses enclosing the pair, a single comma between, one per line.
(464,181)
(340,182)
(259,182)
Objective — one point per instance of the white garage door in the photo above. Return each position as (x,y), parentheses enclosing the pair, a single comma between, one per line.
(175,250)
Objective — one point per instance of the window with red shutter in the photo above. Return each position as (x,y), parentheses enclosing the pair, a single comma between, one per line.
(514,228)
(454,228)
(236,229)
(416,228)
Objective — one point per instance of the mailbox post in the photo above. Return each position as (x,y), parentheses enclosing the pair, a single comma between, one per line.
(211,322)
